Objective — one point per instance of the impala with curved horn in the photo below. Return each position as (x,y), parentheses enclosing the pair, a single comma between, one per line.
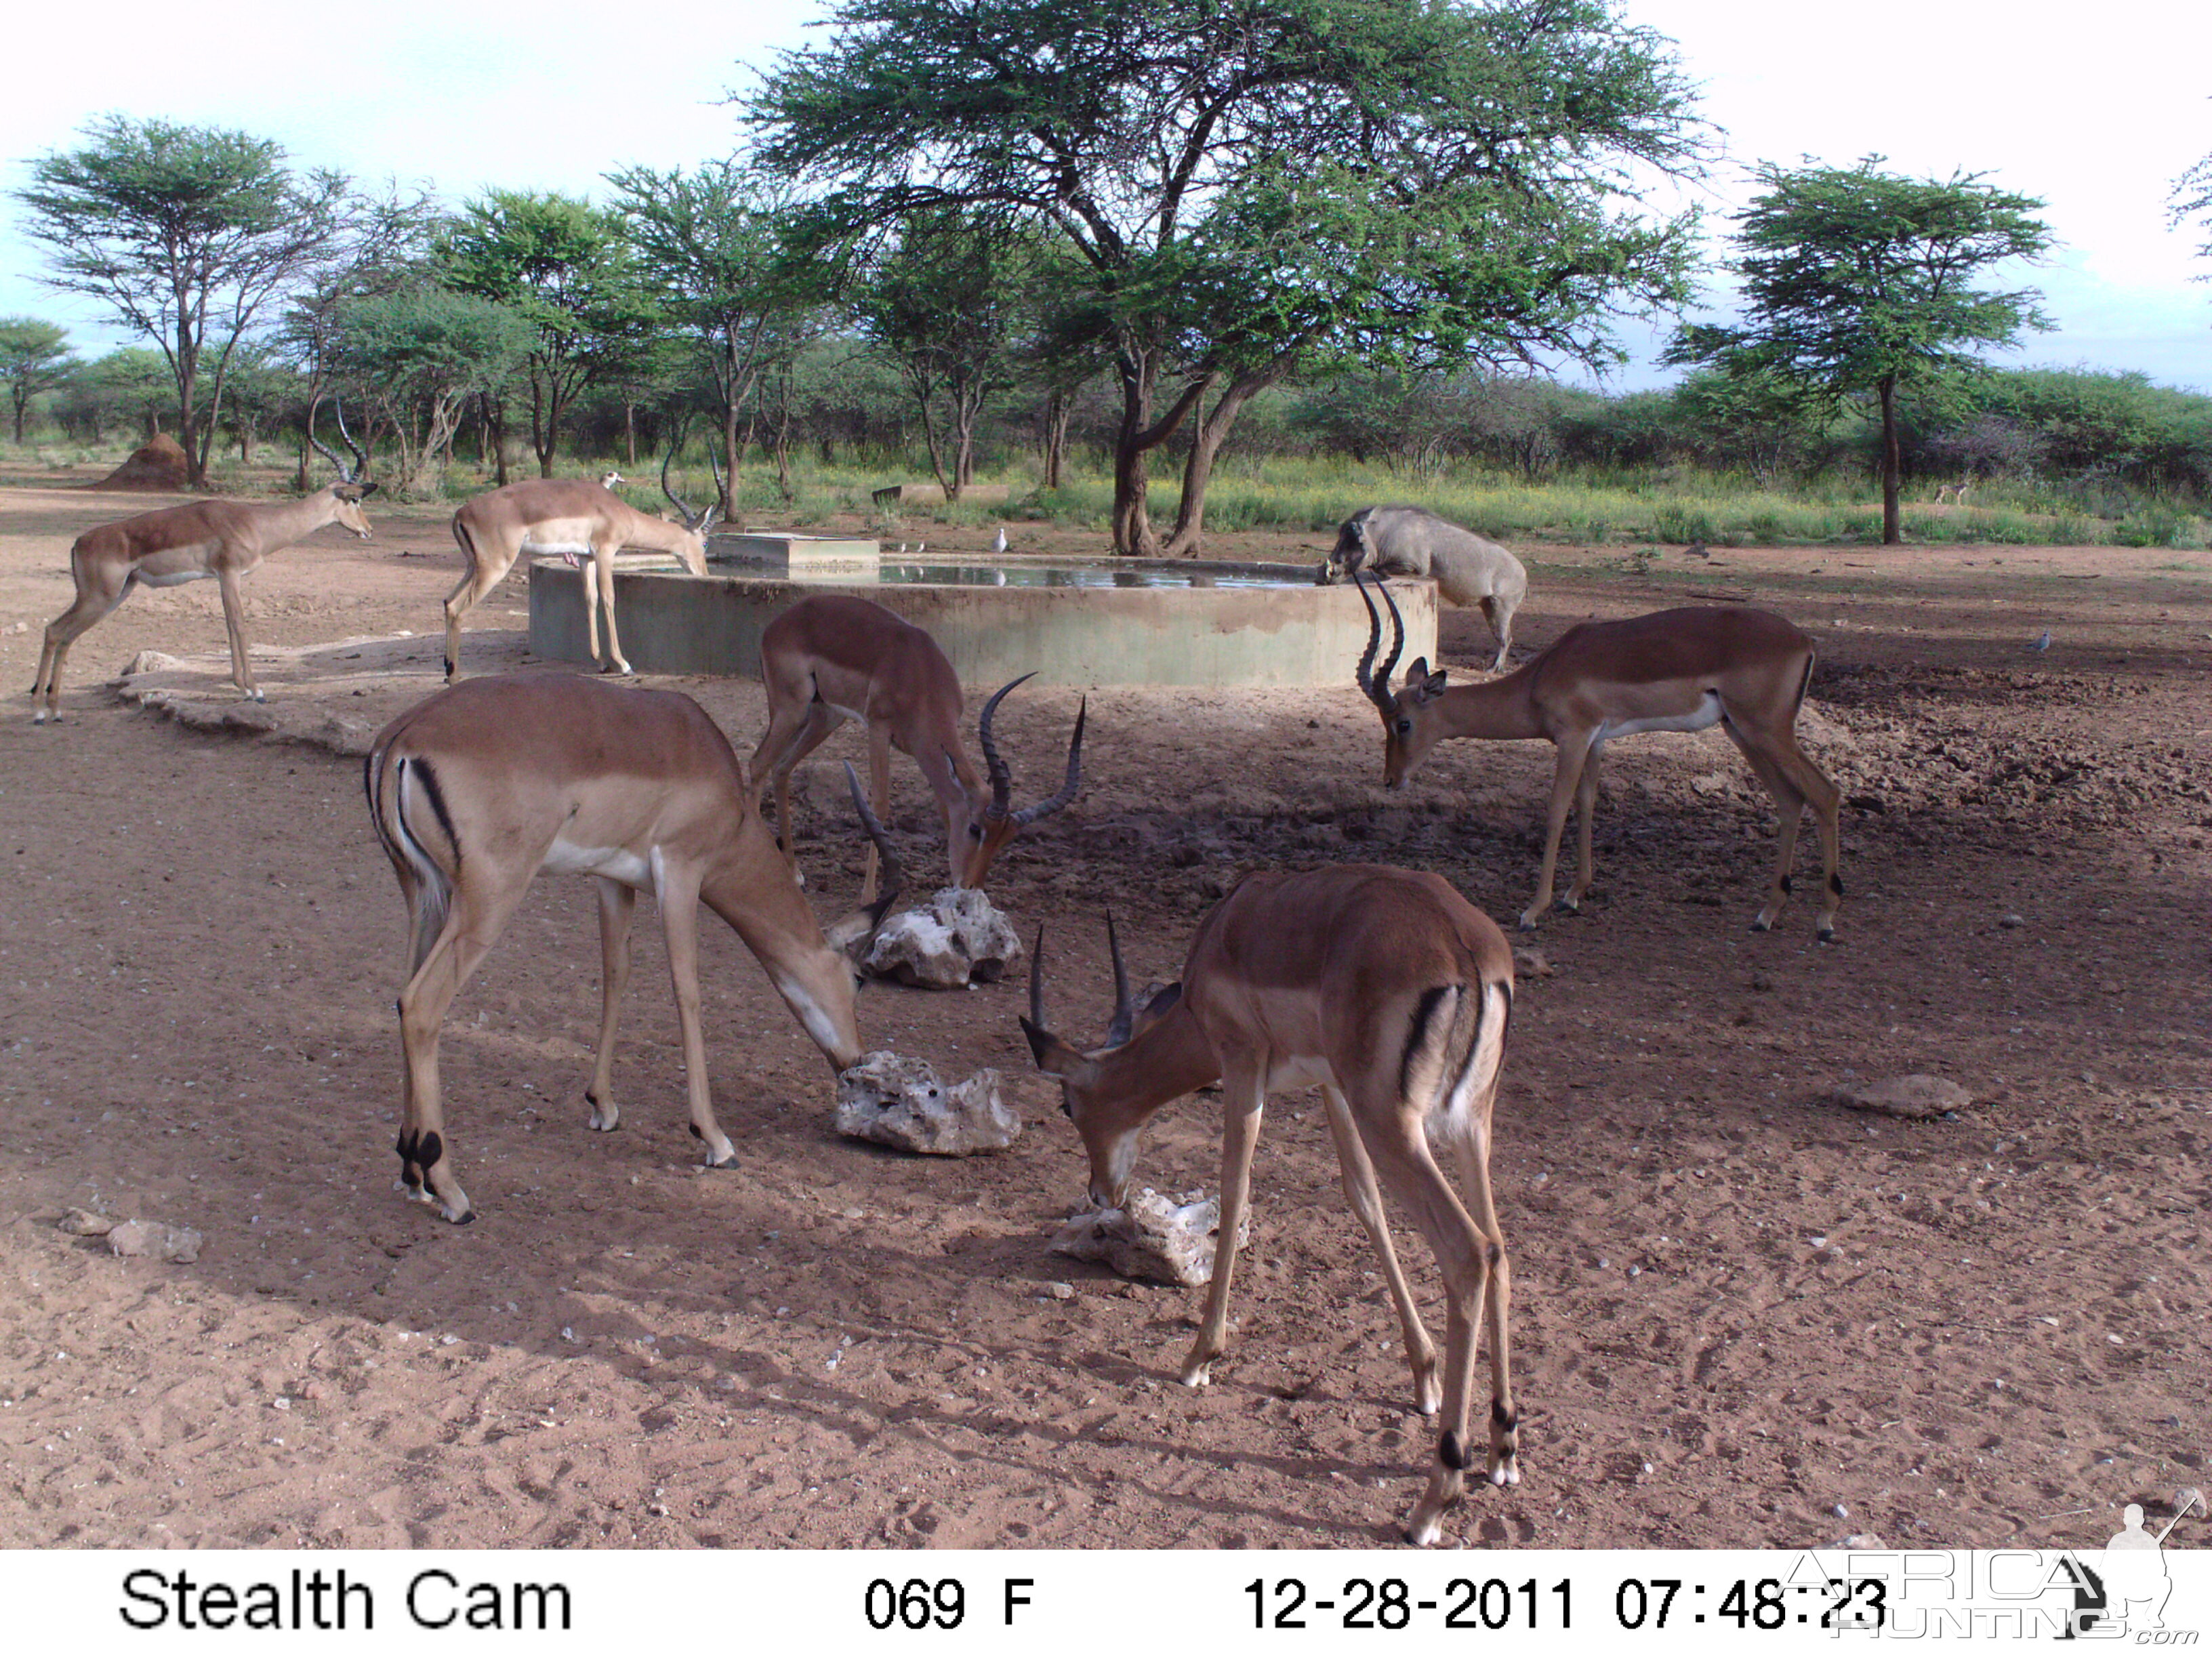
(475,790)
(1742,670)
(1391,993)
(578,520)
(224,540)
(832,658)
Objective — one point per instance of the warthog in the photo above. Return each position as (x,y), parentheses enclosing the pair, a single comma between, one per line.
(1468,569)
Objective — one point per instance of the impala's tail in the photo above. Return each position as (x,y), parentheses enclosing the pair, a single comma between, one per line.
(1455,1046)
(393,791)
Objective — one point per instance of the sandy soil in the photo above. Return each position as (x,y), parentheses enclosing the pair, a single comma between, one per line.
(1743,1317)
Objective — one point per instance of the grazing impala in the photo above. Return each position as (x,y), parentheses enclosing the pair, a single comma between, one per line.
(578,521)
(1673,671)
(832,658)
(1393,995)
(224,540)
(475,790)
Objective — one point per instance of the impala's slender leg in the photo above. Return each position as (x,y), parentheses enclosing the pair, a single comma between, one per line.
(1585,827)
(799,722)
(677,895)
(1796,783)
(1242,1099)
(94,599)
(1474,1151)
(879,797)
(603,572)
(242,671)
(1566,776)
(485,568)
(1402,1156)
(472,924)
(618,906)
(1367,1204)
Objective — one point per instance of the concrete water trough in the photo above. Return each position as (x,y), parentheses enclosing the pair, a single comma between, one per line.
(1076,623)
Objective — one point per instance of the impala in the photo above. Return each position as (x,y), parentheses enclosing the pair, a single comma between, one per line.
(1393,995)
(578,521)
(224,540)
(486,783)
(1673,671)
(832,658)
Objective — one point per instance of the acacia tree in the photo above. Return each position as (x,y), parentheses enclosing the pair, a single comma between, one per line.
(727,260)
(34,357)
(944,307)
(383,247)
(187,233)
(416,357)
(1253,183)
(1859,283)
(565,267)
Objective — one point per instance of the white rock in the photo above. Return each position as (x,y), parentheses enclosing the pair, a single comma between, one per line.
(87,1224)
(155,1238)
(1152,1238)
(900,1102)
(959,938)
(1915,1097)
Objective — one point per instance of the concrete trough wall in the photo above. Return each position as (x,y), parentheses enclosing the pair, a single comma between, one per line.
(1219,636)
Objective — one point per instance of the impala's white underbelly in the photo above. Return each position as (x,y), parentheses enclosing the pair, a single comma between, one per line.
(1301,1072)
(574,548)
(567,857)
(1706,714)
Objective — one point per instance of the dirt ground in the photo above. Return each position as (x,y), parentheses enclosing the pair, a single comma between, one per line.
(1742,1316)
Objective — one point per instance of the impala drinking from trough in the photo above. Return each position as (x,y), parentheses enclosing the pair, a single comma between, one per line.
(1744,670)
(578,520)
(1393,995)
(832,658)
(475,790)
(226,541)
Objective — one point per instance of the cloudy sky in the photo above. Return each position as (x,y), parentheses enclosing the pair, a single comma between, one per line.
(2097,113)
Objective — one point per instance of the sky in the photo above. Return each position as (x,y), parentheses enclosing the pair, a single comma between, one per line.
(2097,114)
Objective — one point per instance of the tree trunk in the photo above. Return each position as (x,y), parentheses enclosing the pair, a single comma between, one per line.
(1133,443)
(629,431)
(1206,441)
(1892,530)
(1058,409)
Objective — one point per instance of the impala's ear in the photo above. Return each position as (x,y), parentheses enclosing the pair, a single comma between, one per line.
(1054,1058)
(1423,682)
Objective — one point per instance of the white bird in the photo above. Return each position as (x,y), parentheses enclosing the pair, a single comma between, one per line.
(920,548)
(902,550)
(2041,642)
(999,542)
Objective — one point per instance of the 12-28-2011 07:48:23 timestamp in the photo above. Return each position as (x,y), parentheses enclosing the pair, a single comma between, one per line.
(1496,1604)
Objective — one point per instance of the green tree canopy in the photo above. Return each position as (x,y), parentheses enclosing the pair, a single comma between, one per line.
(418,354)
(724,254)
(34,357)
(1858,284)
(1251,184)
(565,267)
(945,305)
(187,233)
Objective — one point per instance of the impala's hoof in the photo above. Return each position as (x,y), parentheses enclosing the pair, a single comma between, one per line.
(1826,936)
(1761,925)
(1567,907)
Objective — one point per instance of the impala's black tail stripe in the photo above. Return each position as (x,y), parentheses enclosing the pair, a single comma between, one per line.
(437,799)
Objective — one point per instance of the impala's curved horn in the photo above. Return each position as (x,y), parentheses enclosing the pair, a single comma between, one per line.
(345,473)
(1071,782)
(1036,980)
(1125,1010)
(360,461)
(1002,777)
(721,490)
(690,518)
(1377,685)
(894,874)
